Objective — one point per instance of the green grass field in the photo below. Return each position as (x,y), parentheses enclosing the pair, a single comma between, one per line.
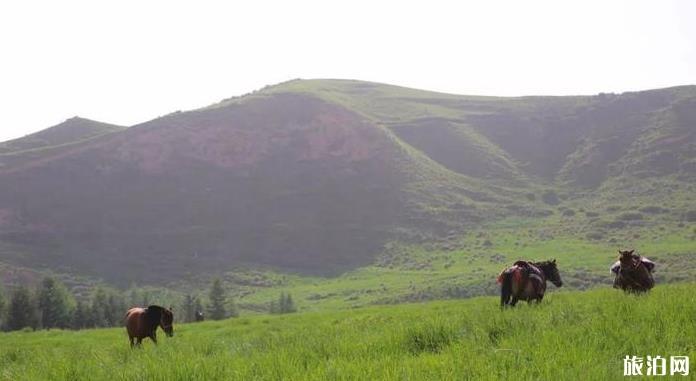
(570,336)
(467,265)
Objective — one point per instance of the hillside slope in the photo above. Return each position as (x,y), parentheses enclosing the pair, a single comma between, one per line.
(72,130)
(285,180)
(319,176)
(576,139)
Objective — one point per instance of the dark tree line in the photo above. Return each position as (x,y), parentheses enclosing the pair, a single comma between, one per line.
(284,305)
(219,305)
(51,305)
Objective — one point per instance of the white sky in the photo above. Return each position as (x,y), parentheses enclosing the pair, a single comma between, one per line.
(126,62)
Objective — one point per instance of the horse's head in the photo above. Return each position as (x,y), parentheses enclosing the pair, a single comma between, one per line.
(626,257)
(167,322)
(162,317)
(551,272)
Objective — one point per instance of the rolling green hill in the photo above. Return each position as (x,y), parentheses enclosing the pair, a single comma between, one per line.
(570,336)
(358,186)
(71,131)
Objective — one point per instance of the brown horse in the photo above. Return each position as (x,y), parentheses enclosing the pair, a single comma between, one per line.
(143,322)
(632,272)
(527,281)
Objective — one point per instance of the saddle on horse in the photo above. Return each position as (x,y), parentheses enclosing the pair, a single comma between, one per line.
(650,265)
(633,272)
(524,272)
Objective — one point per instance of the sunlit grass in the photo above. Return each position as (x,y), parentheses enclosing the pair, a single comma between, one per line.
(578,335)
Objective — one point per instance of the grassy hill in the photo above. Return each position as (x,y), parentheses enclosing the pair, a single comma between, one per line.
(357,183)
(570,336)
(279,180)
(72,130)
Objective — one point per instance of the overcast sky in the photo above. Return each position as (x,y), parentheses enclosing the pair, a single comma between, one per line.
(126,62)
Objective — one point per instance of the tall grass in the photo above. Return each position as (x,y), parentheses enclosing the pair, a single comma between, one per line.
(570,336)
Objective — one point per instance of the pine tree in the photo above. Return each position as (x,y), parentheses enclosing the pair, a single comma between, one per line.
(283,305)
(116,309)
(81,318)
(198,305)
(232,308)
(133,296)
(55,304)
(100,308)
(189,308)
(289,304)
(2,304)
(216,308)
(22,311)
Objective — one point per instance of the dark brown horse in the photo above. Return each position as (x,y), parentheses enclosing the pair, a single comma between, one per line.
(143,322)
(527,281)
(632,272)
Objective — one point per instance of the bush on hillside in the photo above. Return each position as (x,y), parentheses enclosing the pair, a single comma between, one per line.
(653,210)
(690,216)
(550,197)
(630,216)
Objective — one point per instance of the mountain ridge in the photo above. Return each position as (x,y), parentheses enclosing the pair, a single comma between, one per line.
(317,176)
(71,130)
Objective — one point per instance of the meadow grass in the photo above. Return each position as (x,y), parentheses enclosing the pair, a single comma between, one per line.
(570,336)
(421,272)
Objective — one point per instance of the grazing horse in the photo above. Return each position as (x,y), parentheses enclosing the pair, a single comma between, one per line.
(527,281)
(633,272)
(143,322)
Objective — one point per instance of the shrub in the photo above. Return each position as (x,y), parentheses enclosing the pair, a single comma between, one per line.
(630,216)
(550,197)
(595,236)
(614,224)
(569,212)
(690,216)
(653,210)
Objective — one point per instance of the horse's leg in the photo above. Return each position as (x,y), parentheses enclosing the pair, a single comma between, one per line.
(505,290)
(153,337)
(139,342)
(515,291)
(649,280)
(514,300)
(130,338)
(504,297)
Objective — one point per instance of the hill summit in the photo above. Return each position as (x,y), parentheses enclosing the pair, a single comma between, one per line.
(316,176)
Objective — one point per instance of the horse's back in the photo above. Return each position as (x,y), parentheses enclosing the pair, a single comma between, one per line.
(528,281)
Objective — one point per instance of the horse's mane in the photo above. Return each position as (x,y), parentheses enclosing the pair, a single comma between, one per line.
(542,263)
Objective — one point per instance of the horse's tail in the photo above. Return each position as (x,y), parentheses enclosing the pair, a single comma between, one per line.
(501,277)
(505,280)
